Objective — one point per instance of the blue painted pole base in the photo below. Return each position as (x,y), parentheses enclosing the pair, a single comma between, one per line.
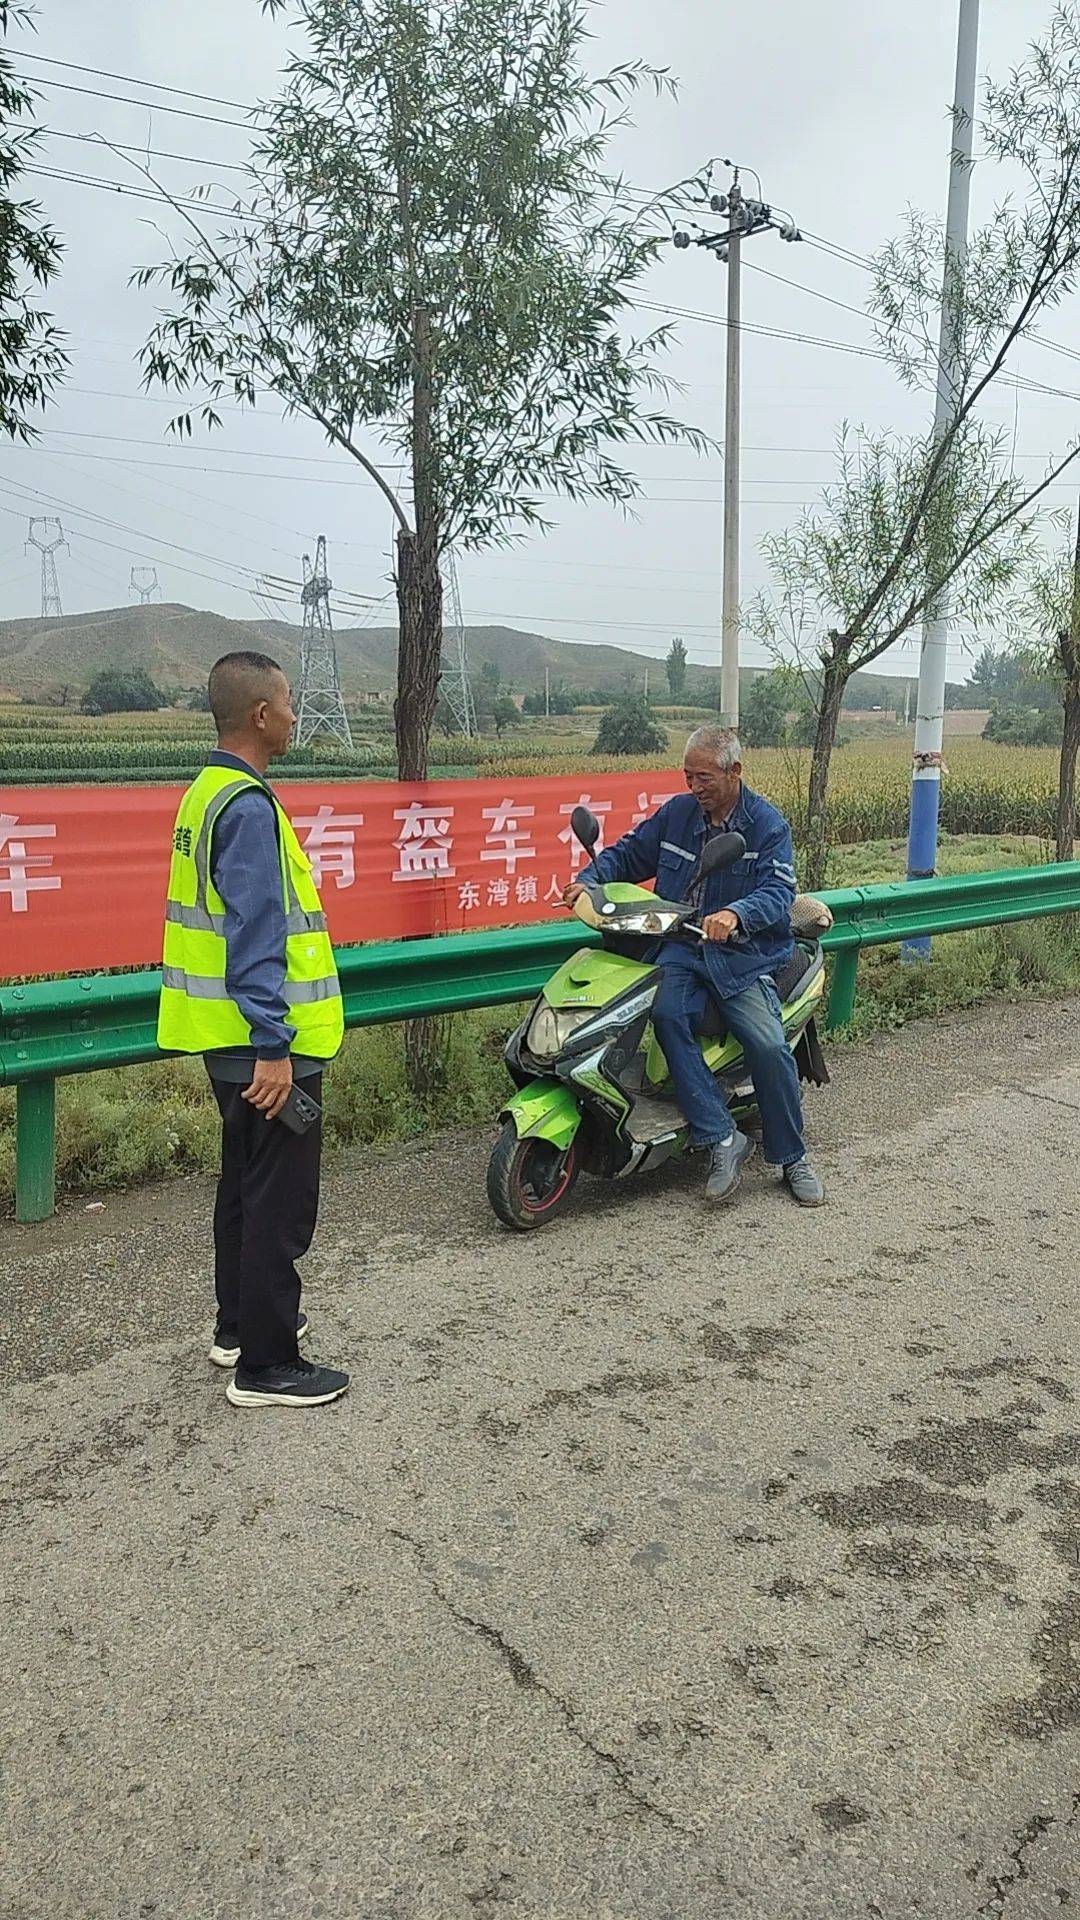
(922,848)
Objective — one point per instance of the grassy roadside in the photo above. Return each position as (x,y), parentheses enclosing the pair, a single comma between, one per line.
(118,1129)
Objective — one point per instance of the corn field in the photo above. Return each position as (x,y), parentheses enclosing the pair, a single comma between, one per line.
(988,789)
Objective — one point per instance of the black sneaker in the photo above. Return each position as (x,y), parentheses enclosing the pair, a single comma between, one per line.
(299,1384)
(225,1351)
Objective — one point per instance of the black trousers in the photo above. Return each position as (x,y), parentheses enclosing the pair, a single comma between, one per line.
(264,1218)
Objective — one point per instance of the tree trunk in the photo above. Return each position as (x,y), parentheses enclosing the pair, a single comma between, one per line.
(419,599)
(833,682)
(408,730)
(1069,655)
(419,665)
(420,639)
(419,582)
(1070,745)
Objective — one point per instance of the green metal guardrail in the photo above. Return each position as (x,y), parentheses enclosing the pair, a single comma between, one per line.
(57,1027)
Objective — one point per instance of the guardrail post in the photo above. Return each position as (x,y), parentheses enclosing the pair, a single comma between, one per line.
(842,988)
(35,1150)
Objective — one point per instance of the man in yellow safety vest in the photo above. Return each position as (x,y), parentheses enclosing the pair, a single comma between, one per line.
(249,981)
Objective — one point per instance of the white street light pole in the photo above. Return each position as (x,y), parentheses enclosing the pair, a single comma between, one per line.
(933,663)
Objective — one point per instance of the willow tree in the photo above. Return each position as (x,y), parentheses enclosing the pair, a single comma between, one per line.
(908,519)
(32,358)
(858,573)
(1048,617)
(434,262)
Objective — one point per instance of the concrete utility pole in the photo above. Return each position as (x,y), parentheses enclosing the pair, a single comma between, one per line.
(933,663)
(745,218)
(1068,643)
(729,642)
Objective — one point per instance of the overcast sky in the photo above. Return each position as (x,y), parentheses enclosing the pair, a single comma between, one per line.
(840,106)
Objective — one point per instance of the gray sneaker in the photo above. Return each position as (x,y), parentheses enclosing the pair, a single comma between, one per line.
(726,1167)
(803,1184)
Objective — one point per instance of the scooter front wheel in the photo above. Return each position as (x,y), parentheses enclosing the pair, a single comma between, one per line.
(529,1180)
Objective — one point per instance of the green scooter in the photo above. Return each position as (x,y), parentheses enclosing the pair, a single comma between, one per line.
(593,1089)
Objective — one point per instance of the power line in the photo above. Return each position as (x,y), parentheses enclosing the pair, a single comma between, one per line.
(769,333)
(131,80)
(127,100)
(156,153)
(845,305)
(133,553)
(323,460)
(641,195)
(76,453)
(840,253)
(782,503)
(157,198)
(1025,384)
(118,526)
(860,260)
(141,193)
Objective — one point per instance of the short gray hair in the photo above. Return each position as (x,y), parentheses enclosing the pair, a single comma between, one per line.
(722,742)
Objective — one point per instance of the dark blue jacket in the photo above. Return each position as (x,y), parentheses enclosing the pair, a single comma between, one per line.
(759,889)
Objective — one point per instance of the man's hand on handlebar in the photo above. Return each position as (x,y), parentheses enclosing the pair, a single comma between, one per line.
(720,926)
(572,892)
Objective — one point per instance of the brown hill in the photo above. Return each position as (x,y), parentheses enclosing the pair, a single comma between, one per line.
(178,645)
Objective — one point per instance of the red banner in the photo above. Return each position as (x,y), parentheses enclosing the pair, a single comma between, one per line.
(83,869)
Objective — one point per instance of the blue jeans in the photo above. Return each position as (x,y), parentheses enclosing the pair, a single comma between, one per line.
(753,1018)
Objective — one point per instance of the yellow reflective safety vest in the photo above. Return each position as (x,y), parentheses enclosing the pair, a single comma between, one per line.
(196,1014)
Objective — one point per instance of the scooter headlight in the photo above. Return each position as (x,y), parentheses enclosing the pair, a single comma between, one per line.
(651,920)
(549,1031)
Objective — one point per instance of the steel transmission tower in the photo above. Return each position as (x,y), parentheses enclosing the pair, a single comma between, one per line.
(456,686)
(48,549)
(321,708)
(144,582)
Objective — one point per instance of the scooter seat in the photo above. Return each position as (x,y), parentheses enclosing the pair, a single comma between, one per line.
(803,964)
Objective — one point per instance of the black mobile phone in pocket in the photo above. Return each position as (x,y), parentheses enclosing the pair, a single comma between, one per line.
(300,1111)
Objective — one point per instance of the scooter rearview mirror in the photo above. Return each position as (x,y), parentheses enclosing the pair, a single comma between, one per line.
(586,827)
(721,852)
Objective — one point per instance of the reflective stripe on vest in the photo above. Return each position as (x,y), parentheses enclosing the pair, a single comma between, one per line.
(199,920)
(208,986)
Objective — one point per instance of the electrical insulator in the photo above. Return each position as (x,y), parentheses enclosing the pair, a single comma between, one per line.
(719,203)
(681,240)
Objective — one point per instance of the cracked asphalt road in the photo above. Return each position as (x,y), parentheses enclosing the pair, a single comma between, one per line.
(658,1567)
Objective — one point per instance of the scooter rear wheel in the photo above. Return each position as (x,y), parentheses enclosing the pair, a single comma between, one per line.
(529,1180)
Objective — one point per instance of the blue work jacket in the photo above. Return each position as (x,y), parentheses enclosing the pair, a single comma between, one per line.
(759,889)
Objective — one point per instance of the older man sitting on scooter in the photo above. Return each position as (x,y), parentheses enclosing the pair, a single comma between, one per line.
(745,913)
